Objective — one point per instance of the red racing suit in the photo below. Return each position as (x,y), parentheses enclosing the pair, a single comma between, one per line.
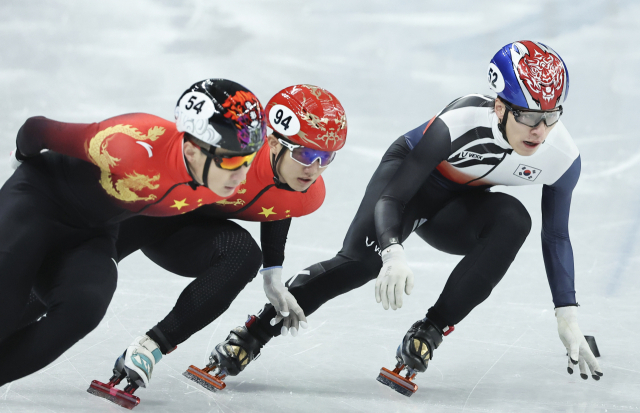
(137,166)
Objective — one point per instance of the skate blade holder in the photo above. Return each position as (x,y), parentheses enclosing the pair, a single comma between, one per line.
(202,377)
(403,385)
(124,398)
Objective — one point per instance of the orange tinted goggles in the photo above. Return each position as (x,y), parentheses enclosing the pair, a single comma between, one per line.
(231,163)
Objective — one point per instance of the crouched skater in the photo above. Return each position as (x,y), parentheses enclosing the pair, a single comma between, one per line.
(435,181)
(309,126)
(60,210)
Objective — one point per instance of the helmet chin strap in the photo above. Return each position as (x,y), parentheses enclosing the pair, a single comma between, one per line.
(205,174)
(502,126)
(276,179)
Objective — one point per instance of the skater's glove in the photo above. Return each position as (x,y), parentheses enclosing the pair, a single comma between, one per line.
(283,301)
(394,278)
(575,343)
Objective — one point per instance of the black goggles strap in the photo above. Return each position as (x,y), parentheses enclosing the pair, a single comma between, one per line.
(280,136)
(502,126)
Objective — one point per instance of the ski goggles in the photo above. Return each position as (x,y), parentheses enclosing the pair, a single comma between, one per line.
(230,162)
(532,118)
(307,156)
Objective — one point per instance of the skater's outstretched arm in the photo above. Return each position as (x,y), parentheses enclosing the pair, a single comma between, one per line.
(395,277)
(433,148)
(558,260)
(556,245)
(39,133)
(112,144)
(273,237)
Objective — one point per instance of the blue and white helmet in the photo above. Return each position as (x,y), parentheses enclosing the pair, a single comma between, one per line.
(530,75)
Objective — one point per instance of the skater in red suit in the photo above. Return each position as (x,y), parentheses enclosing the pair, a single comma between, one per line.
(59,211)
(309,126)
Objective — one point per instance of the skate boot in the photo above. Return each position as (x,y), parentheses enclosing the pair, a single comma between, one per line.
(230,357)
(413,355)
(136,364)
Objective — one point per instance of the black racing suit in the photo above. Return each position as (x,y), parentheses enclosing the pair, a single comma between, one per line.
(486,228)
(456,214)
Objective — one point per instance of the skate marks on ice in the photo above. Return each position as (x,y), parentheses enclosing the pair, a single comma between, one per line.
(309,349)
(4,396)
(474,375)
(492,366)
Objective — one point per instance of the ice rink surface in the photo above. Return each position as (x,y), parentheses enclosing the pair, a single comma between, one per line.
(393,65)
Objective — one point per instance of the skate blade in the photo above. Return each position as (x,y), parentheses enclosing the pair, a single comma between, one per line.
(206,380)
(119,397)
(398,383)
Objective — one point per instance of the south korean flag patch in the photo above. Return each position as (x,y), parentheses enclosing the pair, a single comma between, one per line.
(528,173)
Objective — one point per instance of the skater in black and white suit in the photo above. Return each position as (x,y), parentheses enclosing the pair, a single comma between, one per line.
(435,181)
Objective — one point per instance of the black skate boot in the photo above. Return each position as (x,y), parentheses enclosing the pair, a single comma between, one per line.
(413,354)
(230,357)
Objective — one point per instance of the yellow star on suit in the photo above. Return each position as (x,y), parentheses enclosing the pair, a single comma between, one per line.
(179,204)
(266,212)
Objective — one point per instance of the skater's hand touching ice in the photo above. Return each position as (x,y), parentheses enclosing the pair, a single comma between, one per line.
(577,347)
(283,301)
(394,278)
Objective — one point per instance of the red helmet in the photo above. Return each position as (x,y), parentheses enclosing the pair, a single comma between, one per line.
(308,115)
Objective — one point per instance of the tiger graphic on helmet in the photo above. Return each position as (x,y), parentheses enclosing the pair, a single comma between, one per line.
(530,75)
(541,72)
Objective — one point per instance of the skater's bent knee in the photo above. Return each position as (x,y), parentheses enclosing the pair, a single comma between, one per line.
(83,312)
(238,249)
(513,215)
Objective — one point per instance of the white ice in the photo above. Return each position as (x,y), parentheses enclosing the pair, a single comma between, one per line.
(393,65)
